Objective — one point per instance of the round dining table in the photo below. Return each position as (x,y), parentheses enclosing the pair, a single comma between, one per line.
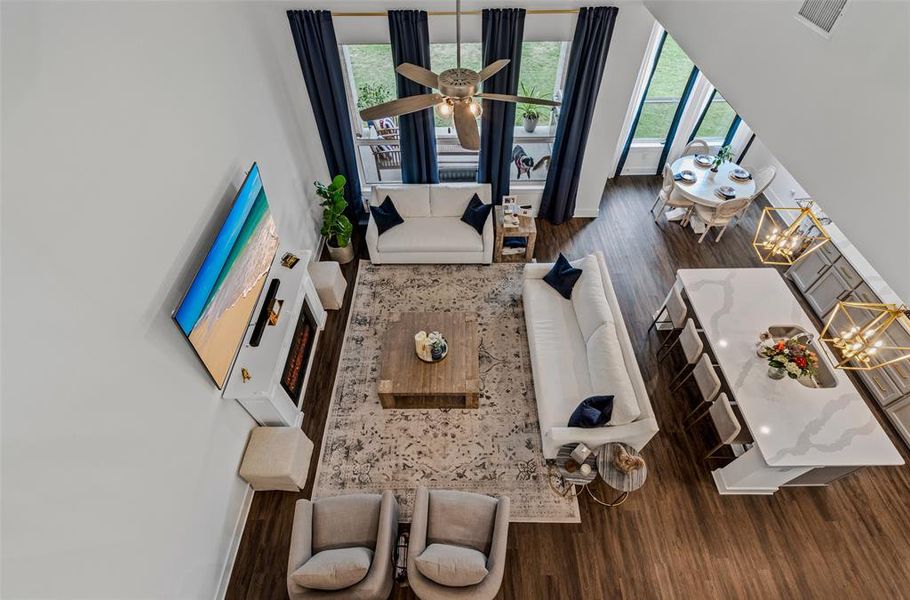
(702,190)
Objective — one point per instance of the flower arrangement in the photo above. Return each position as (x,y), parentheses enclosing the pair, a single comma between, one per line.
(789,356)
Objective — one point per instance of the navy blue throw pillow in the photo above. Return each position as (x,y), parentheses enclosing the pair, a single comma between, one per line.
(592,412)
(386,215)
(476,214)
(562,277)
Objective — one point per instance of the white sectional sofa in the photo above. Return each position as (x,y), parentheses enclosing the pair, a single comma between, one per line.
(432,231)
(580,348)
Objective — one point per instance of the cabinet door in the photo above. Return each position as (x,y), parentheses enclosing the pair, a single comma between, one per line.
(807,271)
(830,251)
(881,386)
(829,288)
(900,371)
(899,413)
(848,273)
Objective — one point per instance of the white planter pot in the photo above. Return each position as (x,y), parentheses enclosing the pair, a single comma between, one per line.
(531,124)
(342,255)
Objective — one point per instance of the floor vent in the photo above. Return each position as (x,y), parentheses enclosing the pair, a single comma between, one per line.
(821,14)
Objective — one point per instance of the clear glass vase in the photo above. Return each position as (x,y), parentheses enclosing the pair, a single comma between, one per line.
(777,372)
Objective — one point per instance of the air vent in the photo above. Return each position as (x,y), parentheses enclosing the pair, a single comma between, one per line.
(822,13)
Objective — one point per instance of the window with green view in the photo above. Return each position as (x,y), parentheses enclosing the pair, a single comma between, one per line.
(717,120)
(667,86)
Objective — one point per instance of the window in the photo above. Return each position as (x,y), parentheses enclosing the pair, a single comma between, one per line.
(371,80)
(667,86)
(716,120)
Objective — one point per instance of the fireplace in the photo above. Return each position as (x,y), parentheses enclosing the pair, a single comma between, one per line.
(298,359)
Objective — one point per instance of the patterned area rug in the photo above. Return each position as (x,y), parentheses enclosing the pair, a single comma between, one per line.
(494,449)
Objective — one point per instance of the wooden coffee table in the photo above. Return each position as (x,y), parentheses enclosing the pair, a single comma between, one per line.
(405,381)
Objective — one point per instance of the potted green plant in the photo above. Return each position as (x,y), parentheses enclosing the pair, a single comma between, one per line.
(529,112)
(336,227)
(725,154)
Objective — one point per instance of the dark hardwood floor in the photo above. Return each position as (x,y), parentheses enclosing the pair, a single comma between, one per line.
(676,537)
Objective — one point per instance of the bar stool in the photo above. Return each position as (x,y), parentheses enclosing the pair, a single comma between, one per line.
(692,346)
(676,312)
(708,383)
(726,425)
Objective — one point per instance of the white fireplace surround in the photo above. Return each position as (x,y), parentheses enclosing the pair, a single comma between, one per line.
(262,394)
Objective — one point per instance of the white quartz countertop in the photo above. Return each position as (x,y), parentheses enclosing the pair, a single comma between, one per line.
(792,425)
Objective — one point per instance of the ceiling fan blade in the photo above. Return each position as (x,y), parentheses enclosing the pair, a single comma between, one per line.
(402,106)
(466,127)
(492,69)
(511,98)
(419,74)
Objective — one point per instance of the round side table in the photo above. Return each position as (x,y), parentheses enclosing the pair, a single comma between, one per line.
(570,479)
(622,482)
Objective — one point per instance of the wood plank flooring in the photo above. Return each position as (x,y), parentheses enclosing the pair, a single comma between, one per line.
(676,537)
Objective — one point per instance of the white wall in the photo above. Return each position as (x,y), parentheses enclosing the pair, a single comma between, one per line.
(630,39)
(126,130)
(834,111)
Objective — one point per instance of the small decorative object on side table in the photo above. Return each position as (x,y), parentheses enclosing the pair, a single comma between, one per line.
(526,231)
(431,347)
(566,474)
(622,468)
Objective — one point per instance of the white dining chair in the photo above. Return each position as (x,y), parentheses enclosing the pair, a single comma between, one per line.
(692,347)
(726,425)
(669,197)
(720,215)
(695,147)
(707,381)
(762,180)
(673,313)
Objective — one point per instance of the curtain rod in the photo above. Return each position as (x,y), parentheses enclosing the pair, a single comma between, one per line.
(452,13)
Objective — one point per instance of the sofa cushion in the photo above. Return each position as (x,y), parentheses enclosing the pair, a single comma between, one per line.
(386,216)
(347,520)
(589,299)
(444,234)
(476,214)
(450,200)
(558,354)
(461,518)
(592,412)
(334,569)
(452,566)
(609,374)
(410,200)
(562,277)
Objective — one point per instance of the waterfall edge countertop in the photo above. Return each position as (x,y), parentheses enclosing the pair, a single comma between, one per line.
(792,425)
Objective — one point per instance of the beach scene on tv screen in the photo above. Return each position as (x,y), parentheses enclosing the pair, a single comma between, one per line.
(216,310)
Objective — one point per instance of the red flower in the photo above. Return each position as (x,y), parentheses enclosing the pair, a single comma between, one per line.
(801,362)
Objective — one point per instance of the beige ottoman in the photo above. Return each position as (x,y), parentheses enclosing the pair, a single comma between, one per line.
(277,458)
(329,283)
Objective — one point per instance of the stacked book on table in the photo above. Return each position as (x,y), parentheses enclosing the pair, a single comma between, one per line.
(514,245)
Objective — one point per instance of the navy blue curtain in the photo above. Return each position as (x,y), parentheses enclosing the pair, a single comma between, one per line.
(583,76)
(502,32)
(317,49)
(732,131)
(641,106)
(410,37)
(701,118)
(674,125)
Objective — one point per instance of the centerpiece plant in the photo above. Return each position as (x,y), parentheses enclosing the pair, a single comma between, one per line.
(790,358)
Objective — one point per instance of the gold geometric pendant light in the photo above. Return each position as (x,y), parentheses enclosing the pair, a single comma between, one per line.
(867,336)
(780,244)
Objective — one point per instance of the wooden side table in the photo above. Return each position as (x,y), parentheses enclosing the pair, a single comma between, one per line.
(526,229)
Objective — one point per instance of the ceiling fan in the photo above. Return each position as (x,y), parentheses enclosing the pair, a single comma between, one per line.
(458,94)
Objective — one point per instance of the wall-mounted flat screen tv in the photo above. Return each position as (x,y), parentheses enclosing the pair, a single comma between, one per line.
(215,312)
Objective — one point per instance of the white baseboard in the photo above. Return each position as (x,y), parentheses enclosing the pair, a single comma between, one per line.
(235,543)
(587,213)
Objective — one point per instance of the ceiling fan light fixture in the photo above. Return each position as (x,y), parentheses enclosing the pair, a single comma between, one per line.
(445,109)
(476,107)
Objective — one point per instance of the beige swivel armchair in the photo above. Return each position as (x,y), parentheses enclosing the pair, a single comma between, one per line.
(458,545)
(342,547)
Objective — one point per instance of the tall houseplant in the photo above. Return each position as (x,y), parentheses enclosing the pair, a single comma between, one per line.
(336,227)
(725,154)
